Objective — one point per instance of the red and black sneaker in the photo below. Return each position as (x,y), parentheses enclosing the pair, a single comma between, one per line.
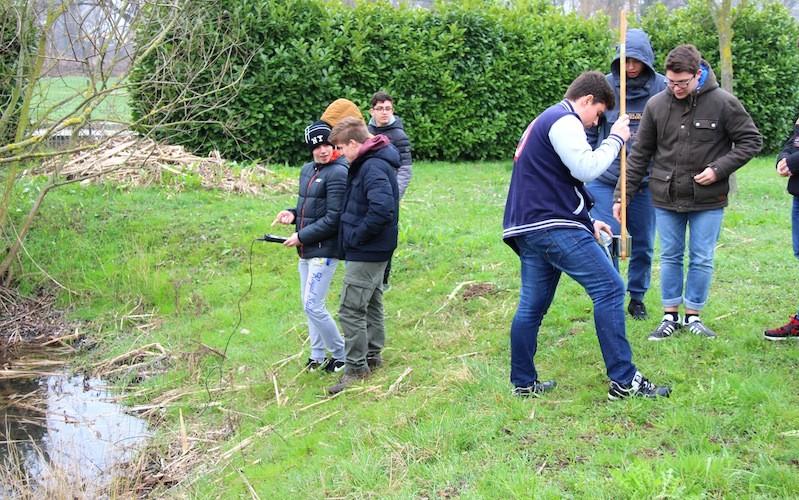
(788,331)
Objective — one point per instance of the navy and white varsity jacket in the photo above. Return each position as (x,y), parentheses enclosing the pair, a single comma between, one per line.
(552,162)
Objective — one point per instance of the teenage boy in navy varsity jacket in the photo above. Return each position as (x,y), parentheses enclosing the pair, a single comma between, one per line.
(547,224)
(368,236)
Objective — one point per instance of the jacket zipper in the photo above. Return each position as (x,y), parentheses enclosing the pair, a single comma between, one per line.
(302,210)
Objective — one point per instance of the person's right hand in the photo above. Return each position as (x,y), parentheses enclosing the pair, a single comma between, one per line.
(617,211)
(782,168)
(622,127)
(283,217)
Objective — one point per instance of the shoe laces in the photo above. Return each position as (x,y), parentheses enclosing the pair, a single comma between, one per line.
(641,384)
(667,327)
(696,326)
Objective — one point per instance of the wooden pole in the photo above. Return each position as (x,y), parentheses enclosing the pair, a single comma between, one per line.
(622,111)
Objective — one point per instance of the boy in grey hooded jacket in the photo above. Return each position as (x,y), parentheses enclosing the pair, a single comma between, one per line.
(643,82)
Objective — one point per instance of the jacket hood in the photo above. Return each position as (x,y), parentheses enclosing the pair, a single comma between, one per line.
(396,122)
(638,47)
(377,144)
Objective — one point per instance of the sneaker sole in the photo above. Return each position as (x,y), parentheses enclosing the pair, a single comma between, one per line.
(658,339)
(778,339)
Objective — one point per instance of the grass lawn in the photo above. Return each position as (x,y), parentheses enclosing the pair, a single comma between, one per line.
(68,92)
(450,428)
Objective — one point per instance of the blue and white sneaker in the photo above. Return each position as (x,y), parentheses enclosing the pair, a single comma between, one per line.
(665,329)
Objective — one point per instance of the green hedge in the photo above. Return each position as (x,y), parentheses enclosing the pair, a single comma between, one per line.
(467,77)
(10,15)
(765,57)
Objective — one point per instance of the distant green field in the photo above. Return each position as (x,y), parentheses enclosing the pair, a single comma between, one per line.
(66,93)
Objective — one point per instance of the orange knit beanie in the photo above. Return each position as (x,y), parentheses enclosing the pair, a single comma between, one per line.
(340,109)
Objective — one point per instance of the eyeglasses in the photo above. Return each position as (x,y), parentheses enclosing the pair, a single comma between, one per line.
(680,84)
(380,109)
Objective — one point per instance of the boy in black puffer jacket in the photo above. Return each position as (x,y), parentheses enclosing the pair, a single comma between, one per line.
(322,185)
(368,237)
(385,122)
(788,166)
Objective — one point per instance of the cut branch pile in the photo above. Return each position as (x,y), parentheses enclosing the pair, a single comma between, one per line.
(152,357)
(32,320)
(137,161)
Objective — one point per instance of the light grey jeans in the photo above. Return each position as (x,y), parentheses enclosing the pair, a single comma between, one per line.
(315,277)
(361,313)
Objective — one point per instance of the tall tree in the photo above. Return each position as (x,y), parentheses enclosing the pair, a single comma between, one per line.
(723,17)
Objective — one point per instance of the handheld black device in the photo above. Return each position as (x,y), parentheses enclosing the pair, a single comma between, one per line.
(272,238)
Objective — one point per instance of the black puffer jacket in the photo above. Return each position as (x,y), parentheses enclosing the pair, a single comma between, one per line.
(395,131)
(790,151)
(371,205)
(319,208)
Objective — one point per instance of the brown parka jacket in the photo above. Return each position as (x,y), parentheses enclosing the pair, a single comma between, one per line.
(681,137)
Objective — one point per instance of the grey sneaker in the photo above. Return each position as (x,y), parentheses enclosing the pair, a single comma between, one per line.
(534,390)
(665,329)
(639,387)
(374,361)
(695,326)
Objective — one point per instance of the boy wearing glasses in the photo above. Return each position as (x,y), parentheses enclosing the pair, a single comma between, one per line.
(694,135)
(385,122)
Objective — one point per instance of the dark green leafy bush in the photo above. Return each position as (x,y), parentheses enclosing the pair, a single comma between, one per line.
(14,23)
(765,57)
(466,78)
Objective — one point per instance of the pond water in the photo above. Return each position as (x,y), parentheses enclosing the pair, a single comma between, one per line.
(65,428)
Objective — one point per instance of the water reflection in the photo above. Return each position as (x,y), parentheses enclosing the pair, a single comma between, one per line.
(69,426)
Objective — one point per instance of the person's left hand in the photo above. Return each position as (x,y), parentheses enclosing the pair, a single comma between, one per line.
(292,241)
(706,177)
(782,168)
(601,226)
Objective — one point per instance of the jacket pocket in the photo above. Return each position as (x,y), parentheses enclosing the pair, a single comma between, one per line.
(714,193)
(660,184)
(706,129)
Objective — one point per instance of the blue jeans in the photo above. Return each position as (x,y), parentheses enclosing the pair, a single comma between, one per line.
(704,227)
(640,224)
(795,226)
(544,255)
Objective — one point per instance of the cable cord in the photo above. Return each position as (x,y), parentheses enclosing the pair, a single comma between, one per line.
(223,357)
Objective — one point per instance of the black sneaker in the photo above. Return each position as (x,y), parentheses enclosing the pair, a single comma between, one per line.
(533,391)
(639,387)
(637,309)
(665,329)
(312,365)
(334,365)
(695,326)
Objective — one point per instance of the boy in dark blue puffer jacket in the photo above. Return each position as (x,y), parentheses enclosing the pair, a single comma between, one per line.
(368,236)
